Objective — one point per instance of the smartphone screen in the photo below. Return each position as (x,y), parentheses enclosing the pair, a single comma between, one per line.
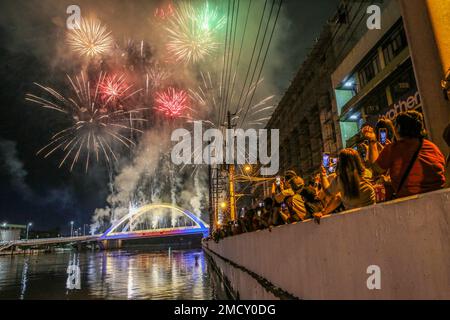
(383,136)
(278,181)
(362,151)
(326,160)
(332,168)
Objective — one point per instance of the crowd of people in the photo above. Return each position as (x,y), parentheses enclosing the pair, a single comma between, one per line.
(393,160)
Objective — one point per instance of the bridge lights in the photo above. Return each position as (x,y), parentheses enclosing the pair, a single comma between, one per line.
(71,228)
(28,228)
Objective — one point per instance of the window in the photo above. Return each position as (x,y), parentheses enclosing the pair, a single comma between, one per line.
(403,84)
(369,70)
(395,43)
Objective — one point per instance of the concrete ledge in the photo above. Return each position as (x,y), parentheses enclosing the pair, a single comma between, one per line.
(409,239)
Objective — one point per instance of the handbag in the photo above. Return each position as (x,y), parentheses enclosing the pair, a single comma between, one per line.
(408,170)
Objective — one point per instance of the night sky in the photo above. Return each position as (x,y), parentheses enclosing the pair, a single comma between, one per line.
(33,188)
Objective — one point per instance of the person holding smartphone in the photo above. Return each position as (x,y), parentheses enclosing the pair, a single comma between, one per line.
(350,186)
(385,131)
(415,164)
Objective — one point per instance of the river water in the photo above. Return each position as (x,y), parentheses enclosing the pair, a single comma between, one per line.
(122,274)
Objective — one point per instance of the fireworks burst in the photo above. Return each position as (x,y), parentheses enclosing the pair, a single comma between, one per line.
(94,128)
(156,76)
(114,88)
(172,102)
(90,38)
(193,32)
(164,12)
(209,95)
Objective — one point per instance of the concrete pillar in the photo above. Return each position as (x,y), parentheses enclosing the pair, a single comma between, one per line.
(439,12)
(427,27)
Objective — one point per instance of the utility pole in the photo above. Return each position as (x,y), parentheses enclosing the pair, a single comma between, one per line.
(212,222)
(231,173)
(216,211)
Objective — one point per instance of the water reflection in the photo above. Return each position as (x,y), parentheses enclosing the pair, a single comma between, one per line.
(106,275)
(24,279)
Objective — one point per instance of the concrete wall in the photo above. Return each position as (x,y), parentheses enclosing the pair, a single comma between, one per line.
(409,239)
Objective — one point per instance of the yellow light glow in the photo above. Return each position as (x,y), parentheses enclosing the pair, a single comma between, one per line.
(439,12)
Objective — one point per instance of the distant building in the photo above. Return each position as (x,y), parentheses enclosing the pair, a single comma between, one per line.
(306,116)
(11,232)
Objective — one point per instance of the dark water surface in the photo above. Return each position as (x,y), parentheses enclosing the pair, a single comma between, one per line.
(124,274)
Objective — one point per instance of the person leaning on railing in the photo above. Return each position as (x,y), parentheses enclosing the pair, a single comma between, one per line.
(415,164)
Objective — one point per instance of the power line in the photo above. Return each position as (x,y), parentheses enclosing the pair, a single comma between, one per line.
(264,60)
(241,46)
(253,53)
(230,69)
(224,66)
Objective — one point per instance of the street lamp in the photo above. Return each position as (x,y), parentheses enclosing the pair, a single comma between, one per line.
(248,168)
(28,228)
(71,228)
(4,224)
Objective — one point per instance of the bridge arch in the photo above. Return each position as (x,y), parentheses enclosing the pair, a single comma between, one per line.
(200,225)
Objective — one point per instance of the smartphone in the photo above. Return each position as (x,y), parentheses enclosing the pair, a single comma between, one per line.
(278,181)
(332,168)
(326,160)
(383,135)
(362,151)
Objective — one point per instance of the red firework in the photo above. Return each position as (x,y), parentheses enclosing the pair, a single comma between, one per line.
(172,102)
(114,88)
(164,12)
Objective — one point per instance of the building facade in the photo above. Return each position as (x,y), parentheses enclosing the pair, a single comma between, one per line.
(11,232)
(354,75)
(306,116)
(376,78)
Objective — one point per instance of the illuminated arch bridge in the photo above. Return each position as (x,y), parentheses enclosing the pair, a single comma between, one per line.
(134,226)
